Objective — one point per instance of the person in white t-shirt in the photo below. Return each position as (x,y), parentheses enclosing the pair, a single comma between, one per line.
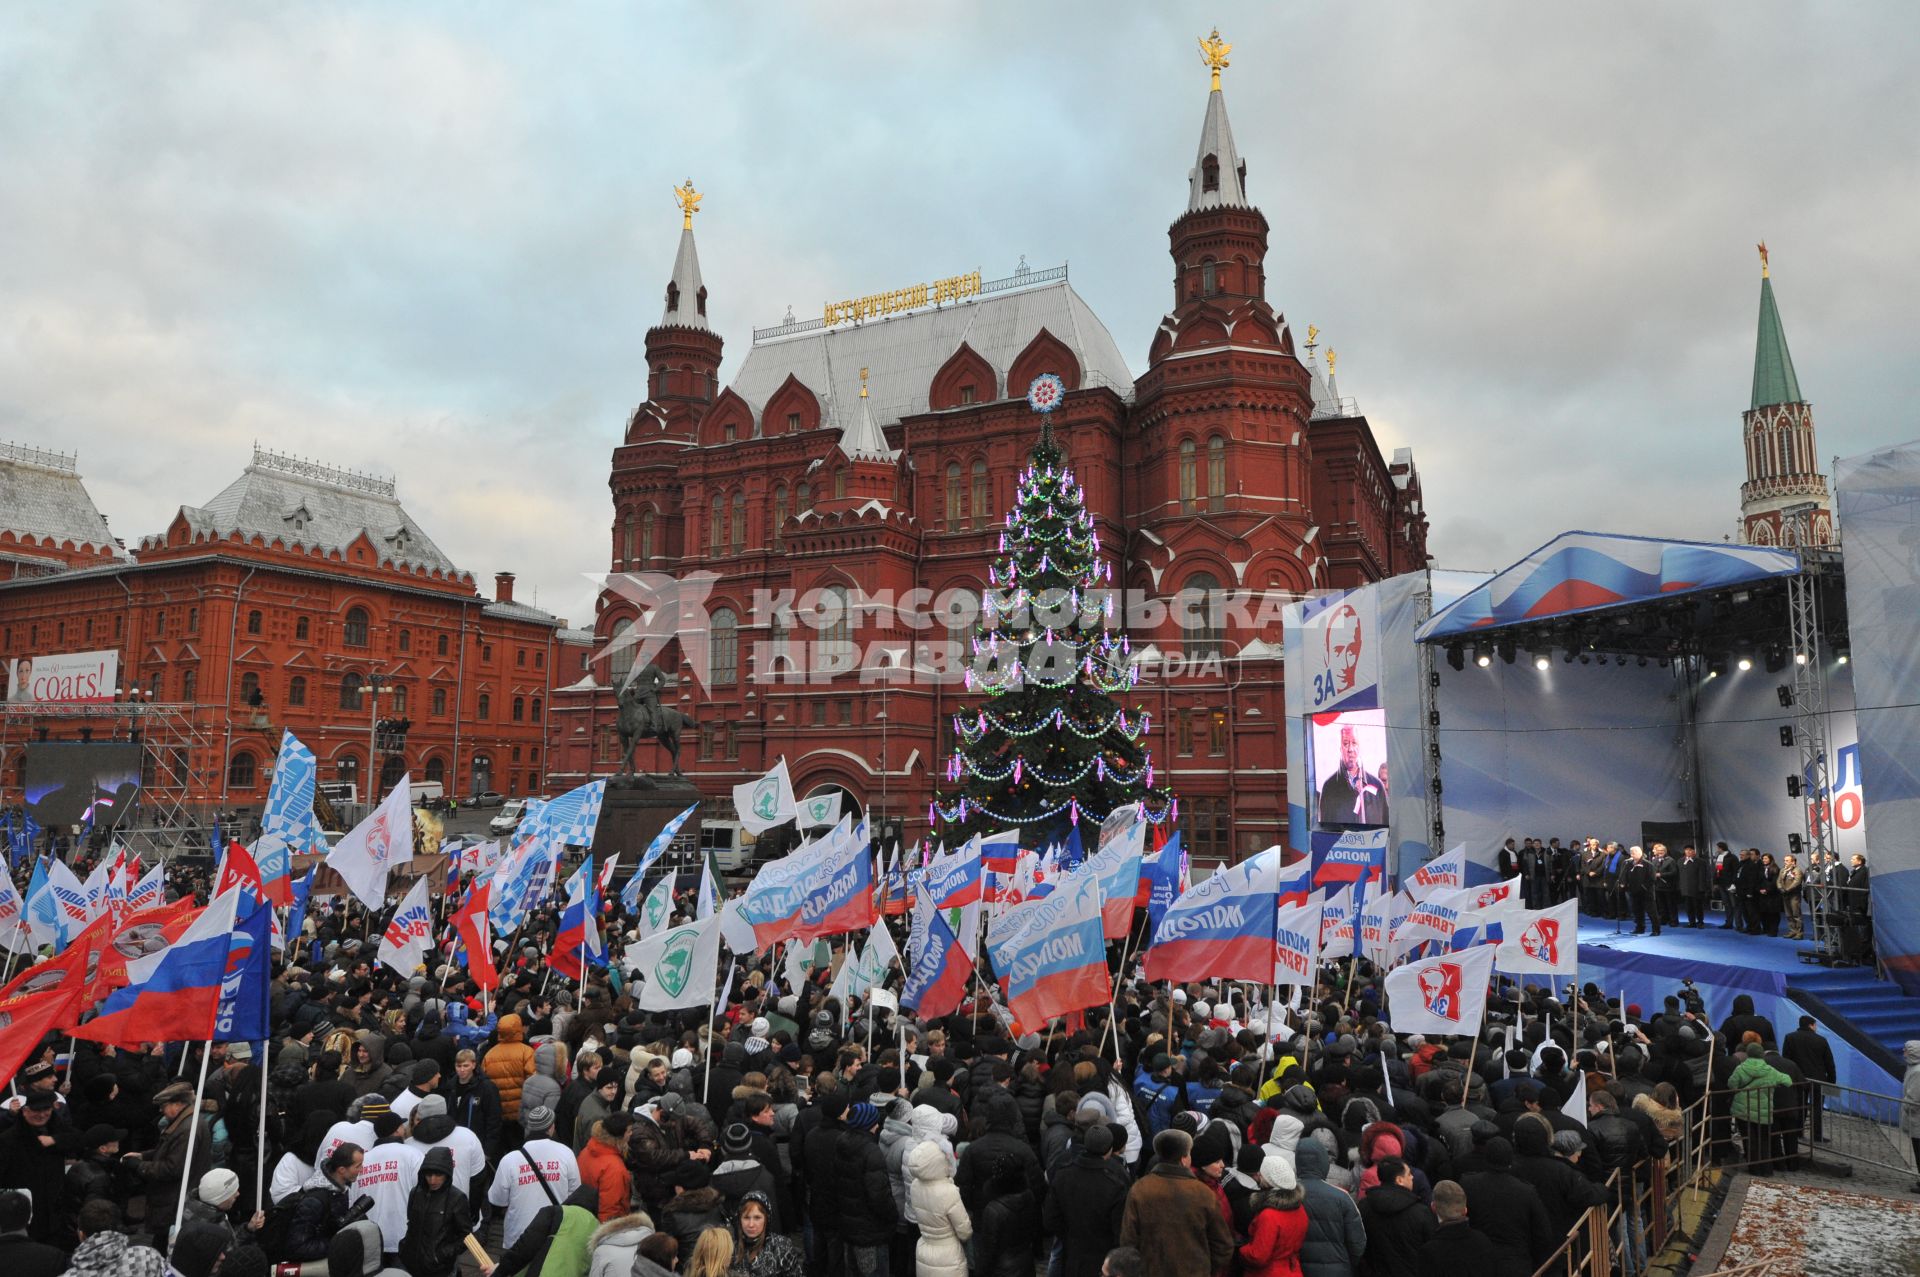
(355,1129)
(387,1176)
(434,1127)
(424,1081)
(517,1184)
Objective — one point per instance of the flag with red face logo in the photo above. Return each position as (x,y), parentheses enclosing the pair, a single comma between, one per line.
(1542,941)
(1447,994)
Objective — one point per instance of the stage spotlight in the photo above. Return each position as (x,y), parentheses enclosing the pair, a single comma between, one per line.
(1786,735)
(1585,659)
(1483,654)
(1567,656)
(1483,660)
(1794,843)
(1643,662)
(1785,694)
(1456,656)
(1716,667)
(1799,658)
(1793,786)
(1776,659)
(1842,658)
(1506,649)
(1541,662)
(1744,664)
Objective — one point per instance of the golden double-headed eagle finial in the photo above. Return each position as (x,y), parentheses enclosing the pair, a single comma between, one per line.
(1214,51)
(1332,359)
(689,201)
(1313,335)
(1762,246)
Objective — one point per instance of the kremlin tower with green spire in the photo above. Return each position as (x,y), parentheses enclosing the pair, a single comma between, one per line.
(1784,500)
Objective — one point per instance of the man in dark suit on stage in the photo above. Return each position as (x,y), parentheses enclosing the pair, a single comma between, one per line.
(1351,797)
(1693,881)
(1728,880)
(1636,878)
(1666,885)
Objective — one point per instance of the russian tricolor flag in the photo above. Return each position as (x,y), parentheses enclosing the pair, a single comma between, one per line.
(579,940)
(937,974)
(174,995)
(1057,963)
(1223,927)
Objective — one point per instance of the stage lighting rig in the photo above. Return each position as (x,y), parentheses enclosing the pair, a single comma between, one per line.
(1482,654)
(1785,693)
(1744,664)
(1793,786)
(1456,656)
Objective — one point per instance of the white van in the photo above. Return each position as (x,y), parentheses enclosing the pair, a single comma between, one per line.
(731,845)
(427,791)
(508,818)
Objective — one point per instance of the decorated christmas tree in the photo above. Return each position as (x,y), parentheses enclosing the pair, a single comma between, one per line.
(1049,745)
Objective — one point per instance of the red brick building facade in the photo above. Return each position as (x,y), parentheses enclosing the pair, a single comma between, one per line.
(877,456)
(276,606)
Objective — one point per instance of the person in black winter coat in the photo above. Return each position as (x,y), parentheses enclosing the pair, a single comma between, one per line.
(33,1157)
(434,1043)
(815,1146)
(863,1192)
(1742,1021)
(1564,1190)
(1085,1202)
(1002,1139)
(326,1093)
(690,1213)
(1236,1102)
(1007,1231)
(475,1102)
(437,1219)
(1508,1210)
(21,1254)
(1456,1247)
(1398,1223)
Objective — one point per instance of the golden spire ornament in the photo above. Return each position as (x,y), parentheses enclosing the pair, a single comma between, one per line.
(1213,52)
(1333,358)
(1762,246)
(863,383)
(689,201)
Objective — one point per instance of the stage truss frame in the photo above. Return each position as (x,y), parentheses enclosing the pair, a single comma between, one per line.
(162,822)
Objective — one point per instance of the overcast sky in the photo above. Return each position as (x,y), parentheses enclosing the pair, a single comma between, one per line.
(426,239)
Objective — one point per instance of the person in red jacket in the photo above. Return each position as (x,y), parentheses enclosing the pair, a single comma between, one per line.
(603,1165)
(1279,1223)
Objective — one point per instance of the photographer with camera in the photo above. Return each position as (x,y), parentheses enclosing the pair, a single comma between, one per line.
(317,1212)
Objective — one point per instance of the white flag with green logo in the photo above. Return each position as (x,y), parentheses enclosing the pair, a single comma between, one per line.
(656,909)
(820,809)
(766,802)
(679,967)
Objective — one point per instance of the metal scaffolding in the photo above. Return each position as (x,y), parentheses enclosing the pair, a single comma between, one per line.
(163,820)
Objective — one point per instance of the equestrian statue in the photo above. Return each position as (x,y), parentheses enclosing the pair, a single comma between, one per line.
(643,717)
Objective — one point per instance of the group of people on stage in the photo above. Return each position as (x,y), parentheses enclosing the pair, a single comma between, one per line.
(1754,890)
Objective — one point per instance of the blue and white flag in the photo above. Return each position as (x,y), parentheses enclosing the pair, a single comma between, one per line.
(572,818)
(297,915)
(288,813)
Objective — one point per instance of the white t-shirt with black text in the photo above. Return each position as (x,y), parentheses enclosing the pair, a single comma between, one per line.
(515,1187)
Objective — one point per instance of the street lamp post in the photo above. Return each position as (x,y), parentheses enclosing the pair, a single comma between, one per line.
(376,684)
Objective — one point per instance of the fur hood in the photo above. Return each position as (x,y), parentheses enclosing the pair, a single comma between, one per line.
(628,1230)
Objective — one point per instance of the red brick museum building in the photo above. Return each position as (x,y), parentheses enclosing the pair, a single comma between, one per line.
(874,451)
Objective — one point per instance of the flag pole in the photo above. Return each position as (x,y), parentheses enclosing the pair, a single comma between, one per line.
(193,1134)
(1465,1084)
(260,1148)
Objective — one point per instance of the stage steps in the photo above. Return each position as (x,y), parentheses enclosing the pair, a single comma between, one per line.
(1875,1009)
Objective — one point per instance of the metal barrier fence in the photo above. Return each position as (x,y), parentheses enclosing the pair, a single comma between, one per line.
(1641,1214)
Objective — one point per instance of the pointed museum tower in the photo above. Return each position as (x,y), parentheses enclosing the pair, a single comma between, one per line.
(1784,500)
(683,379)
(1220,480)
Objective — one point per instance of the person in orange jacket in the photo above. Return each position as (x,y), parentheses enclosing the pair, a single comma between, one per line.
(603,1166)
(508,1064)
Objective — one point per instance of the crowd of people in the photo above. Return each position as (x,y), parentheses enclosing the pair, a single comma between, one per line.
(412,1125)
(1754,891)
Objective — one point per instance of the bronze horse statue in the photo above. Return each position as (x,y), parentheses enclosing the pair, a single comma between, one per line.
(643,717)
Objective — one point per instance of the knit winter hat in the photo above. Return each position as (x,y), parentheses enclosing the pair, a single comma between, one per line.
(862,1116)
(1277,1171)
(537,1120)
(217,1185)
